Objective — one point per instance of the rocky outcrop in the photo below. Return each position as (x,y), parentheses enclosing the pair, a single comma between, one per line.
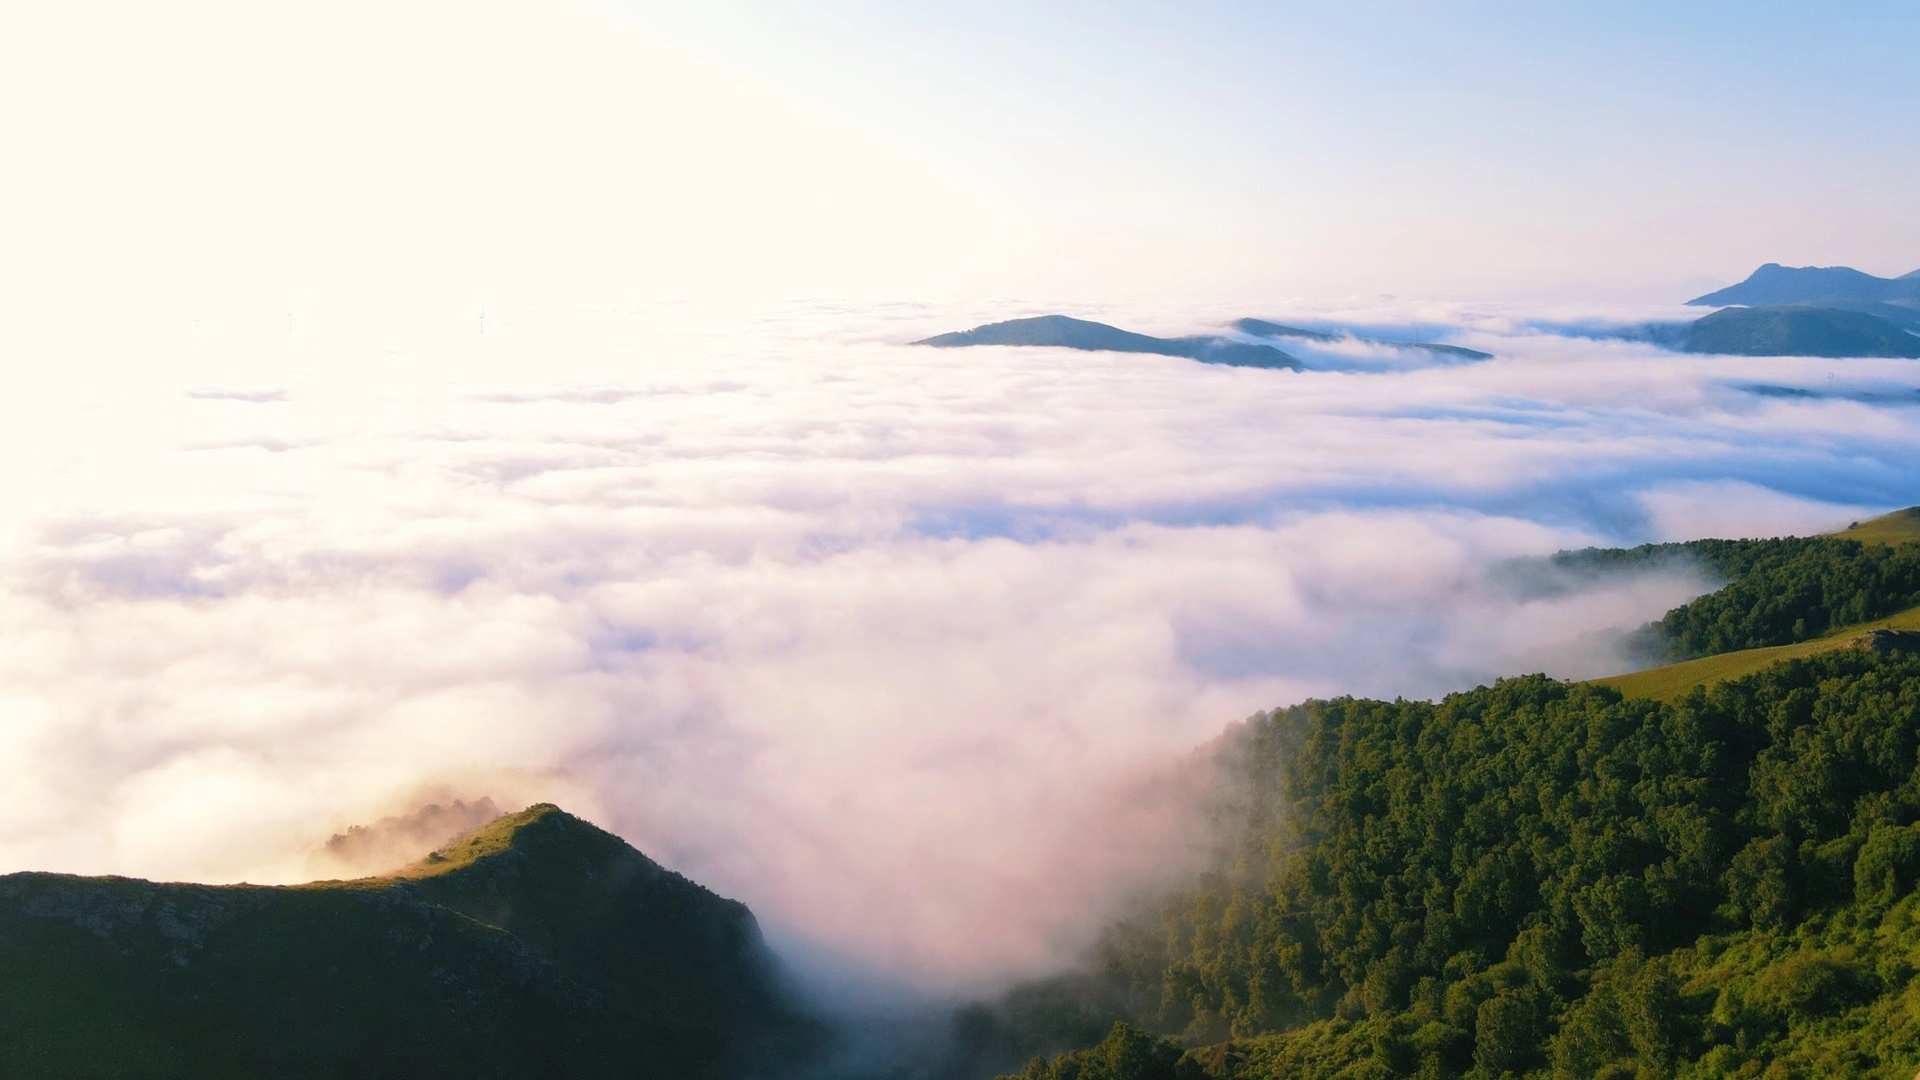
(1890,642)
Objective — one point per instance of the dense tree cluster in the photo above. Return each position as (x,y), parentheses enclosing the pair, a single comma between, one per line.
(1127,1053)
(1543,879)
(1780,591)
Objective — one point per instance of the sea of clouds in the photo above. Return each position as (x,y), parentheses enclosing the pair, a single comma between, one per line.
(904,647)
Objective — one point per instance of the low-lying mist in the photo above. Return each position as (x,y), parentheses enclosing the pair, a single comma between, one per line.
(906,648)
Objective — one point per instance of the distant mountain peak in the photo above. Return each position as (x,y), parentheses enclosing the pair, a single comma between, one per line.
(1774,285)
(1067,332)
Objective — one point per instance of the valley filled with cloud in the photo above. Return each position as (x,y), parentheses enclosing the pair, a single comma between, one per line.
(901,646)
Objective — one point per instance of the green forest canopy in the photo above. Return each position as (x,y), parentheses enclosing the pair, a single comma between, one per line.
(1542,879)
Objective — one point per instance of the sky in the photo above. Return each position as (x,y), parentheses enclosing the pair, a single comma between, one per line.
(1429,147)
(417,400)
(215,154)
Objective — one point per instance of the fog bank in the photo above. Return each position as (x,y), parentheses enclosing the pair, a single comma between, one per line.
(898,645)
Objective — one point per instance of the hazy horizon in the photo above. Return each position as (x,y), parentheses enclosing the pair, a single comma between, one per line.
(214,157)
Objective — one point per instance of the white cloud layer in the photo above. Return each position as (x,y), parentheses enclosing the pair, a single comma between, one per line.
(896,644)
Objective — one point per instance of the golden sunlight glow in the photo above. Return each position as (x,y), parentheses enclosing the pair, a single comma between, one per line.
(229,155)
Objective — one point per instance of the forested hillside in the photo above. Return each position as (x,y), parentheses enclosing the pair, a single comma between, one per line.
(1779,591)
(1543,879)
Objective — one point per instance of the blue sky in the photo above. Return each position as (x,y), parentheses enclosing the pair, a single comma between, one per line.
(1451,147)
(247,158)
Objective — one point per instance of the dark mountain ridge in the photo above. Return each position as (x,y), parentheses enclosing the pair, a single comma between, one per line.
(1799,331)
(1789,330)
(535,946)
(1061,331)
(1774,285)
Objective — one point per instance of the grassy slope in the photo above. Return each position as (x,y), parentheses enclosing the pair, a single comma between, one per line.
(496,837)
(1895,528)
(1669,681)
(1672,680)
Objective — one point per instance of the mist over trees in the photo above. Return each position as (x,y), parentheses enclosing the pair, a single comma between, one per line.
(1779,591)
(1546,879)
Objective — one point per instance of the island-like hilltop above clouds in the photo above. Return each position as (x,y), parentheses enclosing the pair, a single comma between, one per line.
(1065,332)
(1830,311)
(1825,311)
(1840,287)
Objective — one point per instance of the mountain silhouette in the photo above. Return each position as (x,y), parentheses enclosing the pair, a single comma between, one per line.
(1835,287)
(535,946)
(1798,331)
(1061,331)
